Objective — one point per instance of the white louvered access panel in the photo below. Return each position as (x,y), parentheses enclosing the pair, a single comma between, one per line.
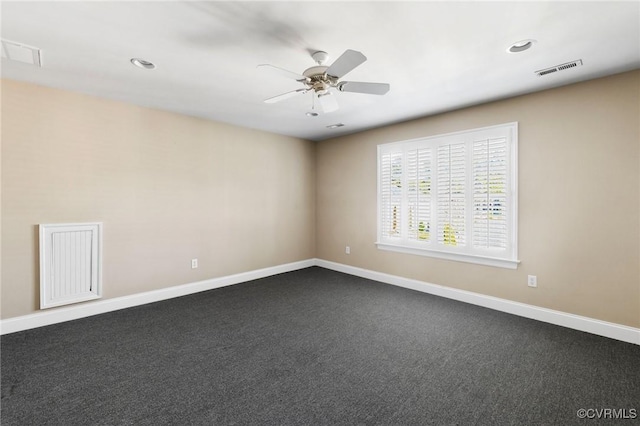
(70,263)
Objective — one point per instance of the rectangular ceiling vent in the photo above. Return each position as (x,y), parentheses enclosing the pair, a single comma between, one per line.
(561,67)
(21,53)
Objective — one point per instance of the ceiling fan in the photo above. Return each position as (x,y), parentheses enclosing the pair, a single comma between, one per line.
(320,79)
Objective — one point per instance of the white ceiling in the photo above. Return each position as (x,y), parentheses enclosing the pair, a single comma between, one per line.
(437,56)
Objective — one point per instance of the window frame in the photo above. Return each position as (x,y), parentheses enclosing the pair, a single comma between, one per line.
(489,257)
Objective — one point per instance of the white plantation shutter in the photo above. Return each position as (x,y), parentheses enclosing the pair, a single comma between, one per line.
(391,194)
(419,194)
(451,196)
(490,201)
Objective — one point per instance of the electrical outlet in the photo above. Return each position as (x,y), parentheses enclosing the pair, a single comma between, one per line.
(532,281)
(347,250)
(194,263)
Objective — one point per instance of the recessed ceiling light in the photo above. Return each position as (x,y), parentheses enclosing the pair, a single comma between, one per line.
(335,126)
(311,114)
(521,46)
(141,63)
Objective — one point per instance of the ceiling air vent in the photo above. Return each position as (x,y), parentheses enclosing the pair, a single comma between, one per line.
(557,68)
(21,53)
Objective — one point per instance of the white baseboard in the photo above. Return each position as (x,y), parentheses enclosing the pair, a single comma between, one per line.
(576,322)
(72,312)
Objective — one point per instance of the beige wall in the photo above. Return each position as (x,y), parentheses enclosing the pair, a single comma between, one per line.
(168,188)
(579,188)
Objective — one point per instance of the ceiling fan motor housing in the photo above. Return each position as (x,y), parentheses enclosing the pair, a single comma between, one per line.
(317,71)
(319,81)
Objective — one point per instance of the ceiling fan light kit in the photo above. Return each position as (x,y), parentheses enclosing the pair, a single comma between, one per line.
(323,80)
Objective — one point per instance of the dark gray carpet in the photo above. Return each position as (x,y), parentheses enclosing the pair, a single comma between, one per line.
(313,347)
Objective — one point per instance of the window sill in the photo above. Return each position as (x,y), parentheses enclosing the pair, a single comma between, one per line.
(458,257)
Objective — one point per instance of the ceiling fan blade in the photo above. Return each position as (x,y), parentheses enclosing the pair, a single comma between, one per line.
(345,63)
(285,96)
(283,72)
(328,102)
(368,88)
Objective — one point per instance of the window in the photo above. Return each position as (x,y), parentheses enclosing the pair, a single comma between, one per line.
(451,196)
